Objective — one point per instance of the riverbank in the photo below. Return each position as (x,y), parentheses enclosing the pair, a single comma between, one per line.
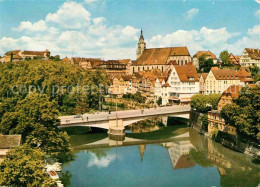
(232,142)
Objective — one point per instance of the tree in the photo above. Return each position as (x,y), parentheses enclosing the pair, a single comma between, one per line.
(199,102)
(28,58)
(213,100)
(24,166)
(159,101)
(255,72)
(244,113)
(224,56)
(12,56)
(205,64)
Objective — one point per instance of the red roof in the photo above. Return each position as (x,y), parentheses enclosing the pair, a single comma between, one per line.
(187,73)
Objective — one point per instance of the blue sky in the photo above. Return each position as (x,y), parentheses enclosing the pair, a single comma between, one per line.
(110,29)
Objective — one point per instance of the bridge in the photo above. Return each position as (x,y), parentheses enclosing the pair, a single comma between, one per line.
(115,122)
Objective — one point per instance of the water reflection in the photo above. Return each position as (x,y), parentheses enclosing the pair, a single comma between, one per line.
(179,153)
(184,159)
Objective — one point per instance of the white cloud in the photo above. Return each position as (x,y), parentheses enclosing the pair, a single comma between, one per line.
(32,27)
(70,15)
(191,13)
(96,37)
(215,40)
(102,162)
(255,30)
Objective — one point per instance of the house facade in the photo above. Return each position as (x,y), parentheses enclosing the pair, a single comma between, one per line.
(250,57)
(218,80)
(202,82)
(184,83)
(216,123)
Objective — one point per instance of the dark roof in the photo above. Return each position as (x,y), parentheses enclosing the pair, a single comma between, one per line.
(253,53)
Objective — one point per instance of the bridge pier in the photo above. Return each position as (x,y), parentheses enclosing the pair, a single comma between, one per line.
(116,130)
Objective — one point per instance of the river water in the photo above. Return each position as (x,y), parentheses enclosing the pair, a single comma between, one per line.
(154,155)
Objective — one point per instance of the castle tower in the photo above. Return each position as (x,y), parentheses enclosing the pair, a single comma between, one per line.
(141,45)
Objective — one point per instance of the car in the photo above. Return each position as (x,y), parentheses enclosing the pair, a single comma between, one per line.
(77,116)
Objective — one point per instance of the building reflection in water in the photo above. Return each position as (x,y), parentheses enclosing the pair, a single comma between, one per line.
(179,153)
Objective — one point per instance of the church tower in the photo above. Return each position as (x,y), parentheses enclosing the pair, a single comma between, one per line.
(141,45)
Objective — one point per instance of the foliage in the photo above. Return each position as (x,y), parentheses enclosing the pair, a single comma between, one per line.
(205,64)
(35,117)
(159,101)
(199,102)
(255,72)
(28,58)
(224,56)
(24,166)
(204,121)
(244,112)
(55,58)
(135,97)
(203,103)
(73,88)
(213,100)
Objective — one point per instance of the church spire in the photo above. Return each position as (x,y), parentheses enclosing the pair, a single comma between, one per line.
(141,36)
(141,45)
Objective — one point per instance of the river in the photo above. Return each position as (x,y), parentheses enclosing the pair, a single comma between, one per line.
(155,155)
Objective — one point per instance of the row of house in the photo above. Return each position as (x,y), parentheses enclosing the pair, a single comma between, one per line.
(178,83)
(112,67)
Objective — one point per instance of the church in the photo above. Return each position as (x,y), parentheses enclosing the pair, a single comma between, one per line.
(158,58)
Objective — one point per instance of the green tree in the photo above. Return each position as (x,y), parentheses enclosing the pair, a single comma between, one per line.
(213,100)
(244,113)
(224,56)
(12,56)
(255,72)
(24,166)
(159,101)
(205,64)
(200,103)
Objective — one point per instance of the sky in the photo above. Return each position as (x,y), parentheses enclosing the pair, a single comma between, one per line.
(110,29)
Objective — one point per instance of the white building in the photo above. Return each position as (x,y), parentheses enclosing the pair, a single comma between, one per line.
(250,57)
(184,82)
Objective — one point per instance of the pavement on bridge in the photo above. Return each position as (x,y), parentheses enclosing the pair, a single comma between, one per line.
(98,116)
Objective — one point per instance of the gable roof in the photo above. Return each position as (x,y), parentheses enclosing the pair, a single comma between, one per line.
(253,53)
(204,75)
(233,90)
(125,61)
(187,73)
(234,59)
(159,56)
(224,74)
(207,53)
